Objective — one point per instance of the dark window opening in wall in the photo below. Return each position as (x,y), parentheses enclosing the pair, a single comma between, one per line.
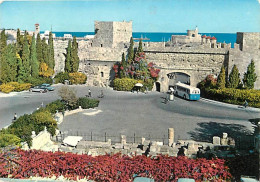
(101,45)
(91,44)
(105,65)
(96,30)
(88,63)
(125,46)
(212,45)
(144,44)
(222,45)
(193,35)
(102,74)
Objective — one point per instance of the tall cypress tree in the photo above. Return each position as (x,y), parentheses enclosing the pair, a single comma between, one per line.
(39,48)
(74,56)
(130,56)
(51,51)
(68,58)
(3,39)
(4,69)
(19,42)
(34,63)
(250,76)
(221,82)
(12,62)
(45,52)
(140,47)
(234,77)
(26,60)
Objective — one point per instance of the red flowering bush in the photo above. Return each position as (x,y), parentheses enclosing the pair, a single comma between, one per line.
(23,164)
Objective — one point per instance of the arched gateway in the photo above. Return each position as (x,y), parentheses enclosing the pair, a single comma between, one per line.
(175,77)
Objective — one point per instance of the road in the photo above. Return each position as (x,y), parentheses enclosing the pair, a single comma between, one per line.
(139,114)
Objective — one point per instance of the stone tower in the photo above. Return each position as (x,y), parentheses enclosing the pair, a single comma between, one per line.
(37,29)
(112,34)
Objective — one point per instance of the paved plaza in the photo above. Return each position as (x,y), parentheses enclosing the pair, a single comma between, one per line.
(138,114)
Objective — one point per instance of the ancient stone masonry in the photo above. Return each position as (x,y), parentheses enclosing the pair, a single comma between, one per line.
(193,55)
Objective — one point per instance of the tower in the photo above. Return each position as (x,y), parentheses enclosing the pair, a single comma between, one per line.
(37,29)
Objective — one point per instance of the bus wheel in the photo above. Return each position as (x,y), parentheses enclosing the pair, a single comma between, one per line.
(184,96)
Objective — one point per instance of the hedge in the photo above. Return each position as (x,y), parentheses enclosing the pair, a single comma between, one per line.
(125,84)
(77,78)
(234,96)
(87,103)
(14,86)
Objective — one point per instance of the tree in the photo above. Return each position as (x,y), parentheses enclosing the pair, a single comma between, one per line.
(45,52)
(51,51)
(26,60)
(68,59)
(250,76)
(19,42)
(7,139)
(234,77)
(221,81)
(39,48)
(74,56)
(130,56)
(140,47)
(33,59)
(3,39)
(68,95)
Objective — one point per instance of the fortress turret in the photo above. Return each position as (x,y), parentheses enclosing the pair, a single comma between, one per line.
(203,39)
(37,29)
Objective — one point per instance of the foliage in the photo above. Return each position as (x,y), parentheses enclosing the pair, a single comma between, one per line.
(23,164)
(221,81)
(39,49)
(45,70)
(125,84)
(3,39)
(14,86)
(9,140)
(39,80)
(68,58)
(6,88)
(234,96)
(51,61)
(234,78)
(33,59)
(61,77)
(54,106)
(25,61)
(87,103)
(209,82)
(77,78)
(130,54)
(25,124)
(68,95)
(250,76)
(74,56)
(140,47)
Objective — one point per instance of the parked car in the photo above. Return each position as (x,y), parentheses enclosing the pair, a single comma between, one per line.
(38,88)
(47,86)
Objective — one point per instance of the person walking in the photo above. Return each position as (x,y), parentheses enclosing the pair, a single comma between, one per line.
(89,92)
(245,104)
(15,116)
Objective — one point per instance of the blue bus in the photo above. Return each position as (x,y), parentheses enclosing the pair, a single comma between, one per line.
(186,91)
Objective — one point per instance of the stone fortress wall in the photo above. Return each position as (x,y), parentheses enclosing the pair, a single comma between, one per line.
(192,55)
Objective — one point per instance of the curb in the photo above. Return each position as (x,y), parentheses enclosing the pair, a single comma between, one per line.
(230,105)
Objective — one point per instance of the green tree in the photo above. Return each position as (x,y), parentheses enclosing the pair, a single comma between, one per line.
(130,55)
(4,67)
(7,139)
(45,52)
(25,61)
(19,42)
(3,39)
(68,95)
(68,58)
(140,47)
(39,48)
(51,51)
(33,59)
(234,77)
(250,76)
(221,81)
(20,70)
(74,56)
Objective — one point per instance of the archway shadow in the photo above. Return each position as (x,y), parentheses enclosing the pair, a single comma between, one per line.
(205,131)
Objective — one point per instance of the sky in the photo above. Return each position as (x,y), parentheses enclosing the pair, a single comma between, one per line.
(213,16)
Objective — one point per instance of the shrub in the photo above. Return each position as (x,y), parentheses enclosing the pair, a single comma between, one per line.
(61,77)
(23,86)
(56,105)
(6,88)
(147,84)
(86,103)
(77,78)
(125,84)
(234,96)
(39,80)
(7,139)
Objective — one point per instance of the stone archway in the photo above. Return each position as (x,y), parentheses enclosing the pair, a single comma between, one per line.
(175,77)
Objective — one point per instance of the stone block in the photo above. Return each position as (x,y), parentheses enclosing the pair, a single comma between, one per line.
(225,135)
(216,140)
(224,141)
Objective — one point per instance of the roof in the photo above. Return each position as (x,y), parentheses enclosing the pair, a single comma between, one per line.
(185,85)
(208,37)
(36,23)
(213,38)
(204,36)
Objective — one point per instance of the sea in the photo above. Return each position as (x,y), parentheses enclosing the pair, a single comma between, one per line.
(160,37)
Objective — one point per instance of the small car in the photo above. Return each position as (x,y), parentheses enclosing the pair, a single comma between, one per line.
(38,88)
(47,86)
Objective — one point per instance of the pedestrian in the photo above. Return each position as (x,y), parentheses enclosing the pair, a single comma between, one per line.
(245,104)
(89,92)
(15,116)
(42,104)
(146,89)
